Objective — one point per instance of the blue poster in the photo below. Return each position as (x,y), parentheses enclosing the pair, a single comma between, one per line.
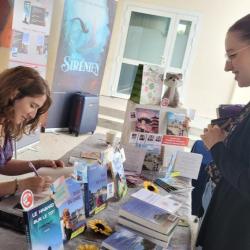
(86,30)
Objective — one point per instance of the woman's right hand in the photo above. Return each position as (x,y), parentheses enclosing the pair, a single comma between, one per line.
(36,184)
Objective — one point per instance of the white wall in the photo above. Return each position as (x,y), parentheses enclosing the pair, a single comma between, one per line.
(207,83)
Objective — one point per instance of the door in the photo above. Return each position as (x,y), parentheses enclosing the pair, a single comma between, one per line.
(152,37)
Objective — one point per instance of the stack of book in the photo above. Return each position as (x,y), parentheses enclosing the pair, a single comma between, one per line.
(147,214)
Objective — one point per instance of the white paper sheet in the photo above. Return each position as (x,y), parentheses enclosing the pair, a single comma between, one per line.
(188,164)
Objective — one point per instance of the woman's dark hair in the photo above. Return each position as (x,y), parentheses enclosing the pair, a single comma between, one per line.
(17,83)
(242,26)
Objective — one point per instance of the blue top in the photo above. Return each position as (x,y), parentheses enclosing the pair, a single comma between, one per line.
(6,151)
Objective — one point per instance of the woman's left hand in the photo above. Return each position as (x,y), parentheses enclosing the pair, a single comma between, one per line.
(213,135)
(48,164)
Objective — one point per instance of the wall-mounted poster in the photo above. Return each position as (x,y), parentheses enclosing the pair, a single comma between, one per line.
(86,30)
(6,16)
(30,31)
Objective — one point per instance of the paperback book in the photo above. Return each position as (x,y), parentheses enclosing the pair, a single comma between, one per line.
(176,124)
(145,230)
(94,180)
(152,84)
(125,239)
(148,215)
(161,243)
(72,212)
(43,228)
(118,174)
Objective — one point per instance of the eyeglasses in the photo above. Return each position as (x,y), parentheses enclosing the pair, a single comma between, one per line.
(231,56)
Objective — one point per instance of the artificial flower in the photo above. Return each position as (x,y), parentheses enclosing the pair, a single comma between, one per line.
(100,226)
(87,247)
(150,186)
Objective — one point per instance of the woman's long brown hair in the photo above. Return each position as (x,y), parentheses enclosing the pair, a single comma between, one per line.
(17,83)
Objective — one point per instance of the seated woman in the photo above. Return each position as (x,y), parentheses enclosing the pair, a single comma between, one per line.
(24,97)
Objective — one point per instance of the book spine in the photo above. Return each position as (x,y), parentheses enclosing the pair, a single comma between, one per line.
(27,230)
(141,221)
(143,229)
(86,199)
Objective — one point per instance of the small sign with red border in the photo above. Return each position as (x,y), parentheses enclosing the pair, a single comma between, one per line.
(27,199)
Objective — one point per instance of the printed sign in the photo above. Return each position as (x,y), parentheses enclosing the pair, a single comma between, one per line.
(27,199)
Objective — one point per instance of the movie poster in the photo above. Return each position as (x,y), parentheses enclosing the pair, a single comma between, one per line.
(83,46)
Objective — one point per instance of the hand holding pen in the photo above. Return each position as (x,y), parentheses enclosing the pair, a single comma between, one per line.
(30,164)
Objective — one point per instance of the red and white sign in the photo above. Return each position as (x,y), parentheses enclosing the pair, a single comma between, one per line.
(27,199)
(175,140)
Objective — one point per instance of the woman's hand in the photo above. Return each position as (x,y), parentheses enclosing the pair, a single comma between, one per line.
(36,184)
(213,135)
(48,164)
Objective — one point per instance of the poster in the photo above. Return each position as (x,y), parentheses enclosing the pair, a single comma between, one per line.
(86,30)
(85,34)
(30,32)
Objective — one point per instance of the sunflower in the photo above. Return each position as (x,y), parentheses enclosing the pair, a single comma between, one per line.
(87,247)
(150,186)
(100,226)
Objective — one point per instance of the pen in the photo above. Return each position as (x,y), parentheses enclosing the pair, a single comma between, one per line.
(30,164)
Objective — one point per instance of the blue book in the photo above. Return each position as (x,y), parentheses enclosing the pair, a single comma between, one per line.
(148,215)
(43,228)
(96,192)
(125,239)
(94,180)
(72,212)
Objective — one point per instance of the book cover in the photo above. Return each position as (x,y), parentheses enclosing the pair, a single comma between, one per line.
(163,202)
(176,124)
(147,120)
(96,191)
(72,212)
(43,222)
(117,169)
(152,83)
(125,239)
(161,243)
(148,215)
(153,157)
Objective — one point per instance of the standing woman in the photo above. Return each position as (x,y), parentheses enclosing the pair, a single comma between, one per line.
(24,97)
(226,225)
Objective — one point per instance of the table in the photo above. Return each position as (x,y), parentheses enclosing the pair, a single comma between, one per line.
(181,239)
